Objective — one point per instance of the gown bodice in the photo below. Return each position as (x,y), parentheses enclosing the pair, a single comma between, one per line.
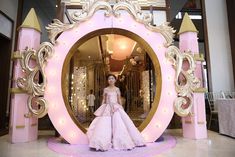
(110,102)
(111,95)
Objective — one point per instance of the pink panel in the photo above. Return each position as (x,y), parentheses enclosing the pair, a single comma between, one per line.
(195,127)
(188,41)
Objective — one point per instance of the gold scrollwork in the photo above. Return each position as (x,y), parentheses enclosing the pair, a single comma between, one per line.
(166,31)
(36,103)
(134,9)
(183,102)
(89,8)
(55,28)
(40,111)
(145,18)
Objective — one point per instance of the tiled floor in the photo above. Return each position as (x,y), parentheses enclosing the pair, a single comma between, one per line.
(215,146)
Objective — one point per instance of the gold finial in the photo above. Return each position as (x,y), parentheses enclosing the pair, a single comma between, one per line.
(31,21)
(187,25)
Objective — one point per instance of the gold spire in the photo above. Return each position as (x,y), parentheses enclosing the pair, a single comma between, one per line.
(31,21)
(187,25)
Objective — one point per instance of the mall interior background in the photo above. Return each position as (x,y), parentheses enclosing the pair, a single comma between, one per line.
(212,21)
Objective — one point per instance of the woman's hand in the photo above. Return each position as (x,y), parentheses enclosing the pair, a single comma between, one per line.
(114,108)
(117,107)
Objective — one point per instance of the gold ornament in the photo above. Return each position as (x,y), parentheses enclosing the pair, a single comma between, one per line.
(89,9)
(29,82)
(55,28)
(192,83)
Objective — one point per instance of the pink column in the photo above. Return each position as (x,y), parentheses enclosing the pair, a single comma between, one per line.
(194,126)
(23,128)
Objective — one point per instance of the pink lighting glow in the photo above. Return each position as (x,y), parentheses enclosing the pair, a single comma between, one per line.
(122,47)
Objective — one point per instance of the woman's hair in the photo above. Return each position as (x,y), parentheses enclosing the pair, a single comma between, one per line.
(111,75)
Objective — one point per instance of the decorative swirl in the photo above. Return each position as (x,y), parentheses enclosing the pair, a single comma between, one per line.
(88,10)
(131,6)
(38,106)
(57,27)
(134,9)
(166,31)
(145,18)
(185,81)
(30,82)
(179,102)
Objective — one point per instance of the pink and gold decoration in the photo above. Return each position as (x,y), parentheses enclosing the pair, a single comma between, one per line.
(123,15)
(27,101)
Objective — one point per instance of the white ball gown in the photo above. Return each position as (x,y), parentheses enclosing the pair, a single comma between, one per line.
(112,127)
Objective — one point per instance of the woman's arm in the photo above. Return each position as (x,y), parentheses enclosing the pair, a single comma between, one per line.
(119,97)
(104,97)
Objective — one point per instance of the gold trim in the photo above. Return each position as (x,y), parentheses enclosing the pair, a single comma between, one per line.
(188,122)
(12,79)
(184,87)
(16,55)
(187,25)
(133,36)
(31,21)
(28,115)
(200,122)
(17,91)
(199,57)
(20,126)
(90,7)
(200,90)
(28,83)
(34,124)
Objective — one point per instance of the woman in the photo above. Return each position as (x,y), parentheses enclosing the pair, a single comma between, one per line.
(112,127)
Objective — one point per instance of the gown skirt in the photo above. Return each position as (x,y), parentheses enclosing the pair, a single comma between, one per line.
(113,128)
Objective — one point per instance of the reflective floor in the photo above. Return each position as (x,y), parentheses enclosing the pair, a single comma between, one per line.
(215,146)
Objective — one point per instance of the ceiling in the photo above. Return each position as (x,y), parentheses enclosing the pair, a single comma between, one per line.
(96,48)
(90,50)
(46,11)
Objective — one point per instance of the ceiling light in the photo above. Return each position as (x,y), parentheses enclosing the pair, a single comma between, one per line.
(123,46)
